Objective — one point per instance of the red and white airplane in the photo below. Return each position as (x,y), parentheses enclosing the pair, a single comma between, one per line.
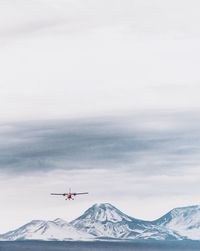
(69,195)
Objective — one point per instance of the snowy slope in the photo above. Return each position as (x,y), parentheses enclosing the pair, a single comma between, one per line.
(185,221)
(46,230)
(104,220)
(159,233)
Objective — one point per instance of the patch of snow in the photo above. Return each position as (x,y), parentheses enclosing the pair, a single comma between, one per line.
(47,230)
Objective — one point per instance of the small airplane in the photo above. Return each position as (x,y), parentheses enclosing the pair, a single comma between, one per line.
(69,195)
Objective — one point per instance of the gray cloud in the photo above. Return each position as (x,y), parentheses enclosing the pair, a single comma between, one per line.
(146,159)
(138,143)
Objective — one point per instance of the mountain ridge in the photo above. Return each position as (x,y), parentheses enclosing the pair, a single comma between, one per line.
(104,221)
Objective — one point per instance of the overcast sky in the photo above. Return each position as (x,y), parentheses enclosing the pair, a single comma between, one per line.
(94,93)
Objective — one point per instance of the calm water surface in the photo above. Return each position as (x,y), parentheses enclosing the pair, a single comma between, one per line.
(100,246)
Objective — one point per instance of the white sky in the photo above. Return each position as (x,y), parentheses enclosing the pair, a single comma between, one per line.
(69,58)
(64,59)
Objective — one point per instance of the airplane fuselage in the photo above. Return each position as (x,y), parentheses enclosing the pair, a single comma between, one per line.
(69,196)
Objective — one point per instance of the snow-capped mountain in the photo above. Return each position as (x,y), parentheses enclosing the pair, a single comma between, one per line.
(57,229)
(185,221)
(106,221)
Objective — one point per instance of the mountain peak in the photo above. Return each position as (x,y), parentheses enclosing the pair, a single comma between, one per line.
(184,212)
(193,207)
(104,212)
(60,221)
(103,205)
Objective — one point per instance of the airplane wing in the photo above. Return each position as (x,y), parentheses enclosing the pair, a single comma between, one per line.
(79,193)
(63,194)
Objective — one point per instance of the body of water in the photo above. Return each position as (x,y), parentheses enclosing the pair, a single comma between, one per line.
(100,246)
